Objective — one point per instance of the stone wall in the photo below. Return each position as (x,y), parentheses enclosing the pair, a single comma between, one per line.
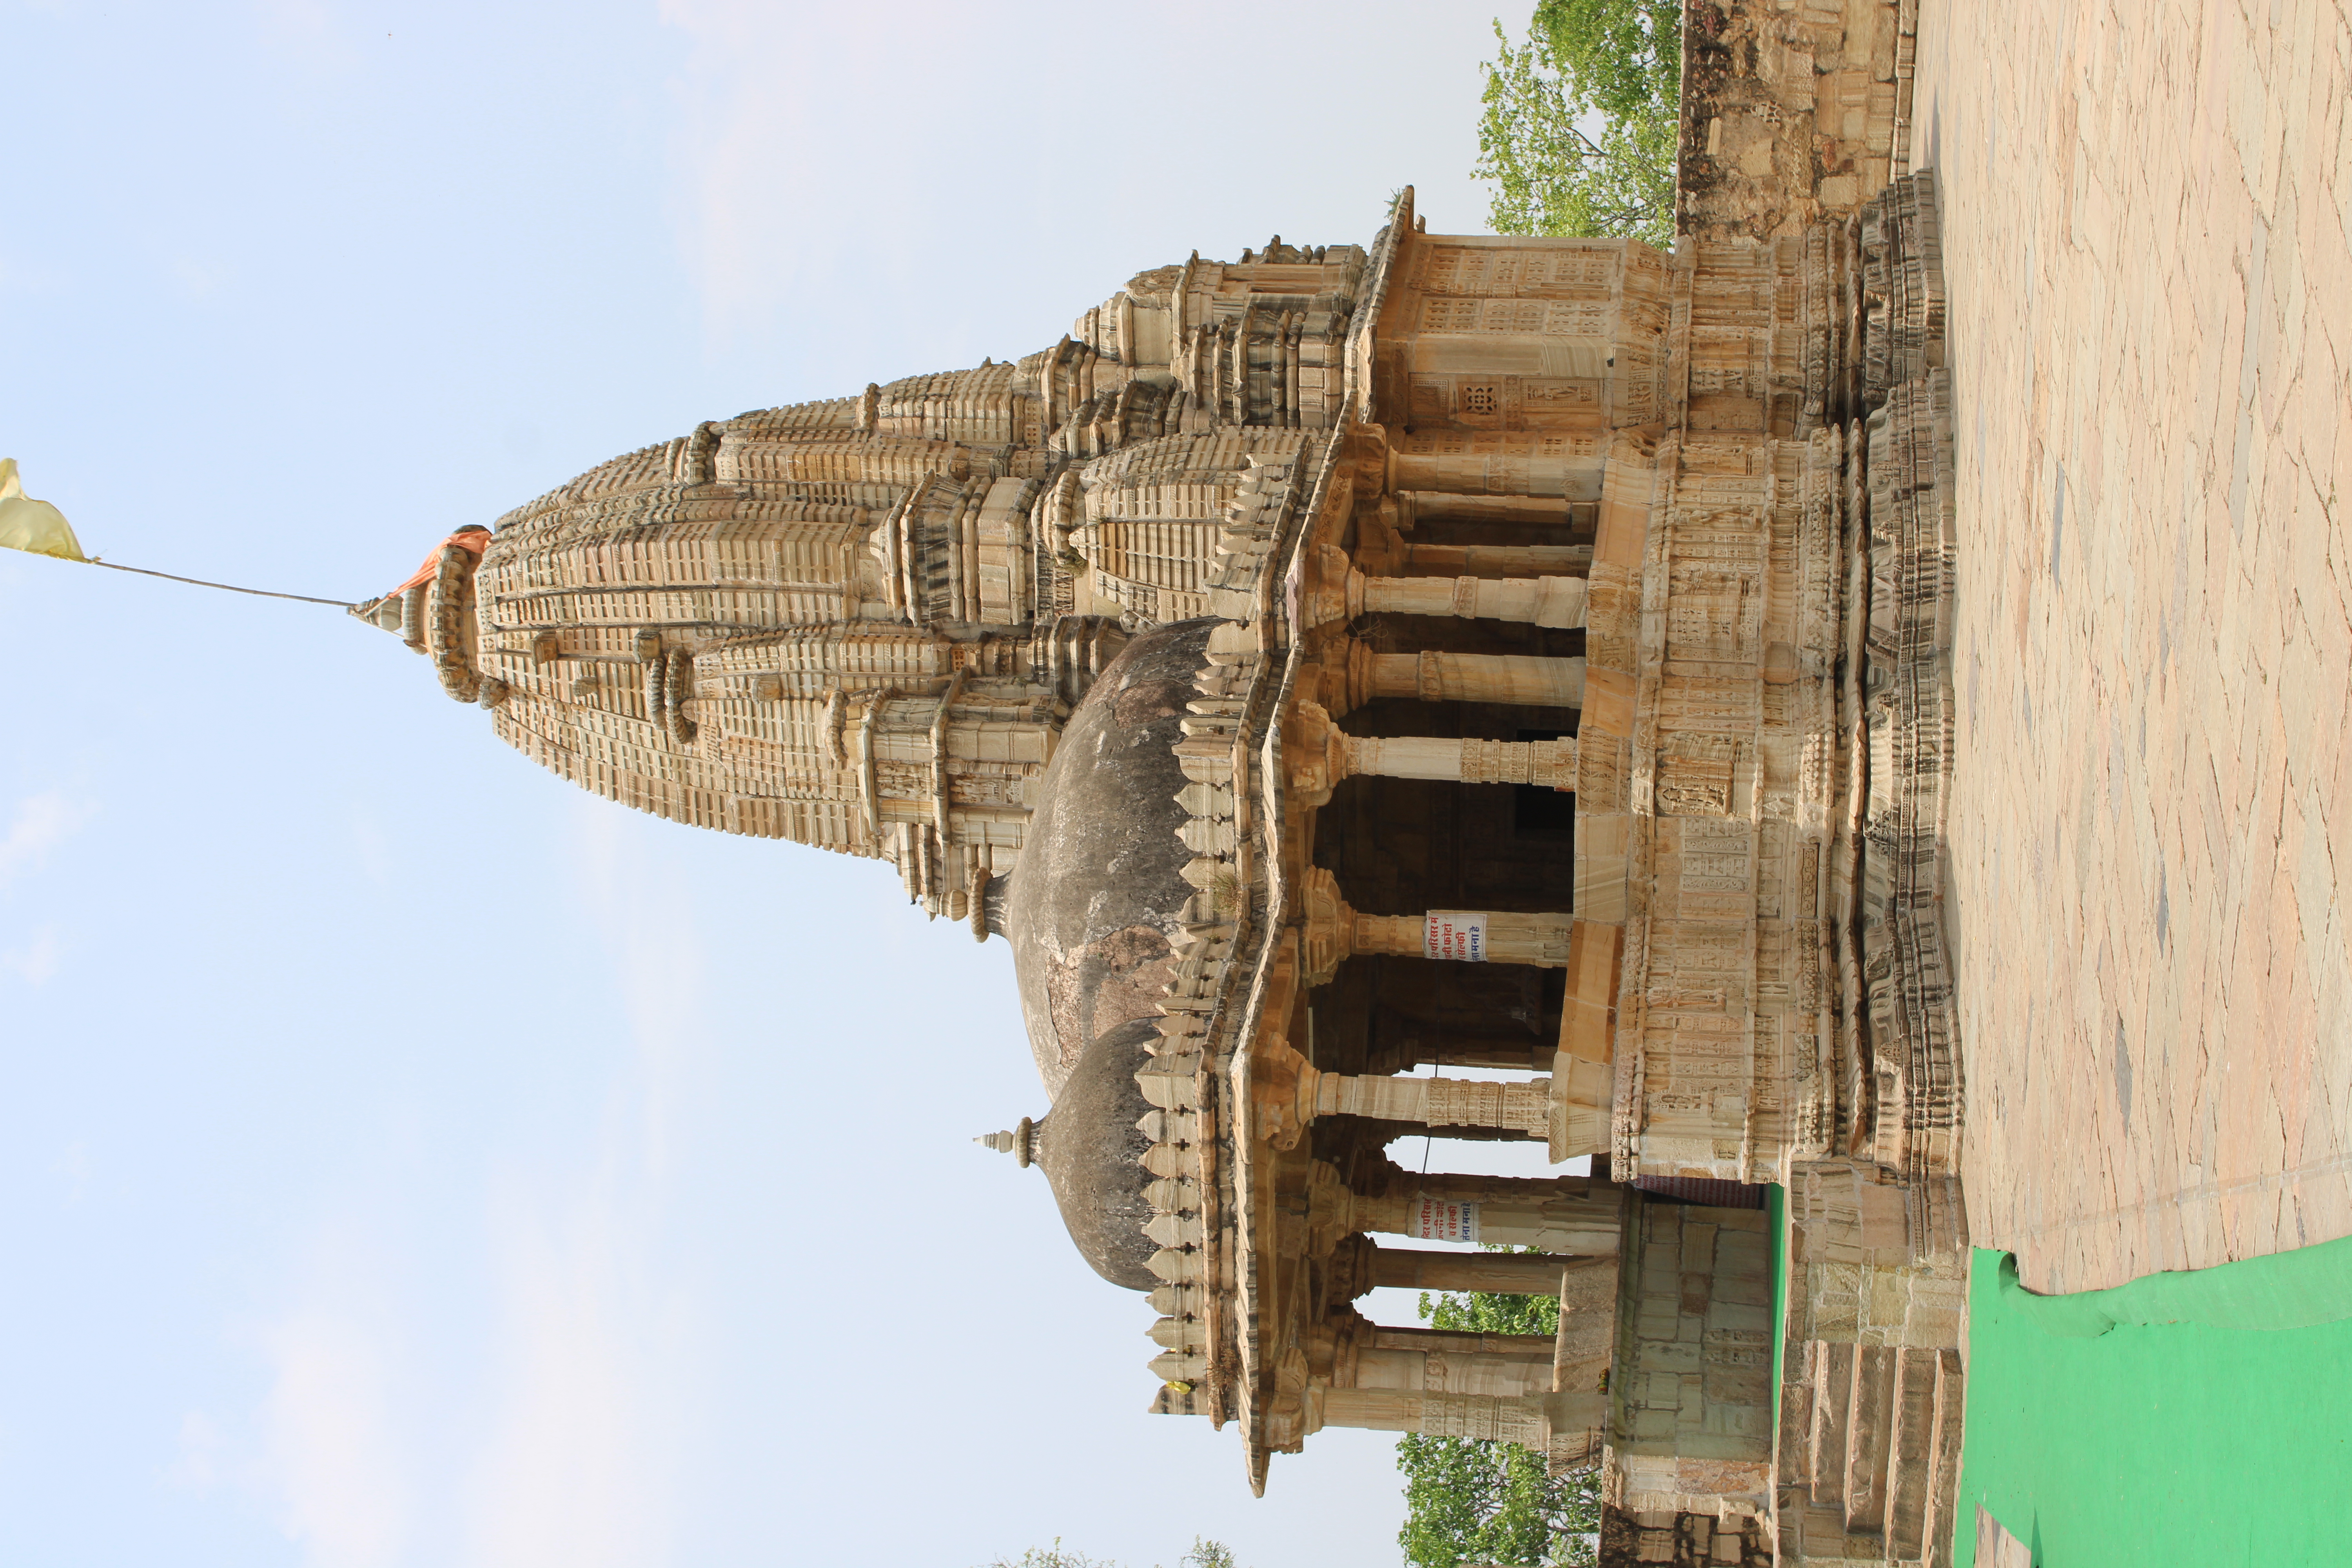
(1792,110)
(1682,1540)
(1691,1395)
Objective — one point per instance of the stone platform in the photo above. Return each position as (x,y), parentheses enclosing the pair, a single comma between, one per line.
(2147,249)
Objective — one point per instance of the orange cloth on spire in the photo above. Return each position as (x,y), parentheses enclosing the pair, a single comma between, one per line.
(474,538)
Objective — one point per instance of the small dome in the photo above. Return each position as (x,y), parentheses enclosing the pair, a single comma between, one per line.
(1089,1147)
(1099,891)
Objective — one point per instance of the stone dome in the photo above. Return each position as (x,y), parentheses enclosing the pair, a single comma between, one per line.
(1091,912)
(1089,1147)
(1099,891)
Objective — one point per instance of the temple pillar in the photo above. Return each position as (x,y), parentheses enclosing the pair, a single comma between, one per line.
(1346,1352)
(1289,1093)
(1337,591)
(1470,936)
(1433,1103)
(1442,471)
(1526,1347)
(1566,1215)
(1418,1369)
(1598,1191)
(1413,506)
(1433,677)
(1545,600)
(1528,1419)
(1362,675)
(1509,1273)
(1509,1049)
(1551,762)
(1334,931)
(1493,560)
(1519,1419)
(1321,755)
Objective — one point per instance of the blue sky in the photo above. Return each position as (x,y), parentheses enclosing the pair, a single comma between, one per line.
(404,1158)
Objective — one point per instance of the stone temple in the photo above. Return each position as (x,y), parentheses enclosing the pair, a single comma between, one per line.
(1454,650)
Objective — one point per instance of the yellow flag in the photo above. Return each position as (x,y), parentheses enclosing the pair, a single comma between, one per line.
(34,525)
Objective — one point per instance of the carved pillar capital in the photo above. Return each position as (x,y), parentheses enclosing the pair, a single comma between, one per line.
(1370,458)
(1334,590)
(1316,750)
(1347,1272)
(1329,934)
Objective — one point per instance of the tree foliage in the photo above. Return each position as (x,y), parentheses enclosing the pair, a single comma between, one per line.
(1053,1556)
(1580,127)
(1203,1554)
(1491,1312)
(1469,1500)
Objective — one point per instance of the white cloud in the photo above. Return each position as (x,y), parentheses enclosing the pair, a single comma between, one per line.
(785,114)
(73,1165)
(560,1451)
(308,35)
(577,1472)
(332,1464)
(196,279)
(578,1469)
(372,848)
(647,923)
(36,963)
(738,183)
(203,1455)
(42,823)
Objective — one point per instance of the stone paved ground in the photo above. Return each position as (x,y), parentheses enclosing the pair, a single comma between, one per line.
(2148,244)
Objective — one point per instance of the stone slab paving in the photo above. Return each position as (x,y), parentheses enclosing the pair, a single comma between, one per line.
(2149,248)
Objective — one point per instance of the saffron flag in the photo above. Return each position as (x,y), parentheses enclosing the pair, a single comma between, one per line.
(34,525)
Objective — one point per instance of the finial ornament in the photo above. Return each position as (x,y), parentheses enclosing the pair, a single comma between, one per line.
(1016,1142)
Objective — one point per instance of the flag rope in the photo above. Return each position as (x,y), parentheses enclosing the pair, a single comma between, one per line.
(227,587)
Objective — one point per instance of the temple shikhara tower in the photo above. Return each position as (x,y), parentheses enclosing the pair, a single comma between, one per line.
(1520,654)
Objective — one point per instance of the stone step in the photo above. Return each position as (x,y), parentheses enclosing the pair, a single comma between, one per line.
(1911,1452)
(1832,1403)
(1995,1547)
(1943,1478)
(1794,1459)
(1869,1432)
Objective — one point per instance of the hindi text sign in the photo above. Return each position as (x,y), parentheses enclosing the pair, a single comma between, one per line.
(1459,934)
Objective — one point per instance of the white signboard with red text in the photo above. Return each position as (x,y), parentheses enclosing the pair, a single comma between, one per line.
(1435,1219)
(1459,934)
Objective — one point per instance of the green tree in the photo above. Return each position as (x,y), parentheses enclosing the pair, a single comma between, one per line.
(1468,1499)
(1581,124)
(1053,1556)
(1491,1312)
(1203,1554)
